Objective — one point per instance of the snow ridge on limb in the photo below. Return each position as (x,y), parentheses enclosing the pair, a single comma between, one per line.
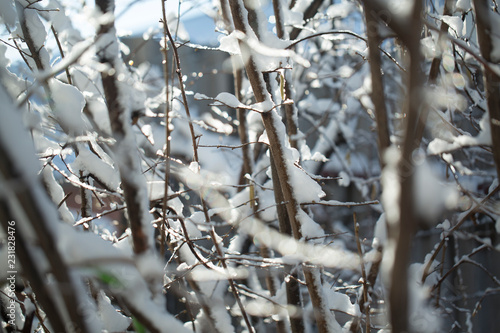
(35,216)
(489,43)
(126,157)
(275,130)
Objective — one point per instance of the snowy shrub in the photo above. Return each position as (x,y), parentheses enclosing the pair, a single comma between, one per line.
(326,166)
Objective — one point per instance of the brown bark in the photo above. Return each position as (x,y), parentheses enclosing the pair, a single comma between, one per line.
(290,110)
(401,231)
(435,66)
(128,161)
(213,234)
(377,94)
(277,151)
(485,30)
(309,13)
(33,213)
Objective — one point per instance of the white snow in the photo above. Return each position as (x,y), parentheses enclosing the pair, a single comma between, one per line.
(294,251)
(201,273)
(263,138)
(261,308)
(212,288)
(344,179)
(112,320)
(270,58)
(7,12)
(463,5)
(140,298)
(455,24)
(309,228)
(428,46)
(57,194)
(432,195)
(150,268)
(495,37)
(89,163)
(99,112)
(192,223)
(402,8)
(14,85)
(265,106)
(391,186)
(156,189)
(380,234)
(229,100)
(147,130)
(305,189)
(439,146)
(445,225)
(12,130)
(194,167)
(340,302)
(424,317)
(240,205)
(35,27)
(342,9)
(229,44)
(68,106)
(84,249)
(295,15)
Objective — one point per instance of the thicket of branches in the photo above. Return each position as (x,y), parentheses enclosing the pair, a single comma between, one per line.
(348,182)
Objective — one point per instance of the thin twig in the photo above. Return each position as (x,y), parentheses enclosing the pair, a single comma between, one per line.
(166,152)
(334,203)
(59,46)
(455,227)
(347,32)
(366,305)
(212,232)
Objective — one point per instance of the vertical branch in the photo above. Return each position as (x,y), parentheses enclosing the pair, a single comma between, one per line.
(213,235)
(443,31)
(284,224)
(36,54)
(290,112)
(485,29)
(292,285)
(178,71)
(278,14)
(402,226)
(247,166)
(166,152)
(364,306)
(324,318)
(31,271)
(34,214)
(383,139)
(377,94)
(59,46)
(86,196)
(402,231)
(126,157)
(34,50)
(290,109)
(435,65)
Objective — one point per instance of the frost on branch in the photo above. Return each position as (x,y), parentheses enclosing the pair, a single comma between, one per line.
(238,215)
